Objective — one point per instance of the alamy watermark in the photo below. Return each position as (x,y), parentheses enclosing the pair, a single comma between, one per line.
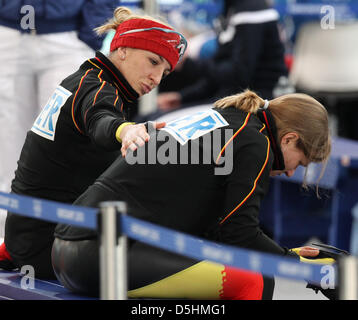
(162,148)
(28,277)
(329,279)
(328,20)
(28,19)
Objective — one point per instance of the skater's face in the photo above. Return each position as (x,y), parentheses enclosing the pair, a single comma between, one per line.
(143,69)
(293,156)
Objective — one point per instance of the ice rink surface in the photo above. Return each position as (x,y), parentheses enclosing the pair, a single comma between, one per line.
(286,289)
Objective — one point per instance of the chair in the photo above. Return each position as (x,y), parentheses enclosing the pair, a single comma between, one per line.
(325,60)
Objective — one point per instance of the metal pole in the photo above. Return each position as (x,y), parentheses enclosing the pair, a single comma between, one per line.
(121,261)
(151,7)
(113,262)
(348,278)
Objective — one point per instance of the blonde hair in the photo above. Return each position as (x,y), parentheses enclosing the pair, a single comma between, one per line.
(296,112)
(122,14)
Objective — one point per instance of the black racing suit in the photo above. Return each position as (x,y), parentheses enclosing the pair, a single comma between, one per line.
(70,144)
(187,197)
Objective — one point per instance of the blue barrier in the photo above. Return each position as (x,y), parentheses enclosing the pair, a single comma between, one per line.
(49,210)
(354,233)
(267,264)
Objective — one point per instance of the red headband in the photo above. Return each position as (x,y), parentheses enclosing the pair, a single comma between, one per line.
(153,40)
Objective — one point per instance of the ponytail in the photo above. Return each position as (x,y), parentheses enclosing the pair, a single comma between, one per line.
(247,101)
(120,15)
(295,112)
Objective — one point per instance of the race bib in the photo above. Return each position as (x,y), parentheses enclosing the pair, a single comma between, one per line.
(195,125)
(45,123)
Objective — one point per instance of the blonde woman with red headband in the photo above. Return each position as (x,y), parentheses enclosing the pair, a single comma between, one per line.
(84,127)
(136,42)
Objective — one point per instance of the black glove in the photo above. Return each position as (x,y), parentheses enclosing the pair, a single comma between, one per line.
(326,251)
(7,265)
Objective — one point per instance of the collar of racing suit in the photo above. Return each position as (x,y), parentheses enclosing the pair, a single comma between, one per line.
(124,88)
(266,117)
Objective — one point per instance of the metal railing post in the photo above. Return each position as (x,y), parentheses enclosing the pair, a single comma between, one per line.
(121,262)
(113,252)
(348,278)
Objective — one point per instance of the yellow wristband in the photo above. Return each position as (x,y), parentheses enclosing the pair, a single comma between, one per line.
(296,250)
(119,130)
(318,261)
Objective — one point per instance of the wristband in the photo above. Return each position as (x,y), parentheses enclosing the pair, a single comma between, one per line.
(119,130)
(317,261)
